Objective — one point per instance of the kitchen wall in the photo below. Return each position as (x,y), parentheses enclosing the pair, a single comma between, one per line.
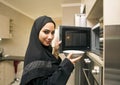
(20,34)
(21,30)
(71,1)
(69,11)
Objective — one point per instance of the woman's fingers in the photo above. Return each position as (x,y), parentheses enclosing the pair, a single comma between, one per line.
(58,43)
(69,56)
(73,60)
(56,47)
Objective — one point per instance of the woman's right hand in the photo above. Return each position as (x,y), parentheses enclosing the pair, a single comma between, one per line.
(73,60)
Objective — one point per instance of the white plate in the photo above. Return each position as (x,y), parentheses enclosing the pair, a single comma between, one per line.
(75,53)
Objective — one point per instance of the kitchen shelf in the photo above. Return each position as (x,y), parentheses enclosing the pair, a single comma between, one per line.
(96,11)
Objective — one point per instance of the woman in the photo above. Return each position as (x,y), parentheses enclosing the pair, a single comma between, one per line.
(41,65)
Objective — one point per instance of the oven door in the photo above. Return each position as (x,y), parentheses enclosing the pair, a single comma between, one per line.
(91,73)
(89,78)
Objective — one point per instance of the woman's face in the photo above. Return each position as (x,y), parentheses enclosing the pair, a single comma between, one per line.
(46,34)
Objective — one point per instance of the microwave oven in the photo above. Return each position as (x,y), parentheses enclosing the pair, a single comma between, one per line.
(81,38)
(75,38)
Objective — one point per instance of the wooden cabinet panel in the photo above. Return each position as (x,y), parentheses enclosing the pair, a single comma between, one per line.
(1,73)
(6,72)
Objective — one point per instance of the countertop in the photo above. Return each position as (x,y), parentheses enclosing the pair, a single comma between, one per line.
(12,58)
(91,55)
(21,58)
(96,58)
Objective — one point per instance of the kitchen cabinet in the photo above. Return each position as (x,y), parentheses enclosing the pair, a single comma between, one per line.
(94,15)
(1,74)
(6,72)
(94,11)
(4,27)
(106,12)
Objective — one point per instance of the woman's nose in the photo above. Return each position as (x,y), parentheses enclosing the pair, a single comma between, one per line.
(50,36)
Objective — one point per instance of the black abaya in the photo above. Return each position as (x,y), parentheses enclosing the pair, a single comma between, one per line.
(40,66)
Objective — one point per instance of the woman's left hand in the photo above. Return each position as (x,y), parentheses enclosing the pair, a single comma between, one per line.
(55,49)
(73,60)
(57,45)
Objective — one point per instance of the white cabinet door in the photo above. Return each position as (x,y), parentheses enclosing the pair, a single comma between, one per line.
(4,27)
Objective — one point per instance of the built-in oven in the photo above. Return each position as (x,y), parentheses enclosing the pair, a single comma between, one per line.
(91,72)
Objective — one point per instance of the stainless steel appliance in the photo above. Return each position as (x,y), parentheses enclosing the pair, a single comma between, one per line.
(112,54)
(90,72)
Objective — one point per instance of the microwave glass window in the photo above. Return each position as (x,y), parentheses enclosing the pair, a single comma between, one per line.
(73,38)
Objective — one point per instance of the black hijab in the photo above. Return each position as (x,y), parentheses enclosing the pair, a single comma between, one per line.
(38,58)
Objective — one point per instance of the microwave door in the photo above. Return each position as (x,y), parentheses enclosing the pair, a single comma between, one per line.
(75,38)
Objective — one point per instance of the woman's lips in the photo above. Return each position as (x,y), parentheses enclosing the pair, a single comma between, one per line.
(48,42)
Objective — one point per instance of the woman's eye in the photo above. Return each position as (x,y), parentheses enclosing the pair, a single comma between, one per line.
(46,31)
(53,33)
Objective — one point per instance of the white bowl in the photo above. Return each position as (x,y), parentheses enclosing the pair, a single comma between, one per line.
(75,53)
